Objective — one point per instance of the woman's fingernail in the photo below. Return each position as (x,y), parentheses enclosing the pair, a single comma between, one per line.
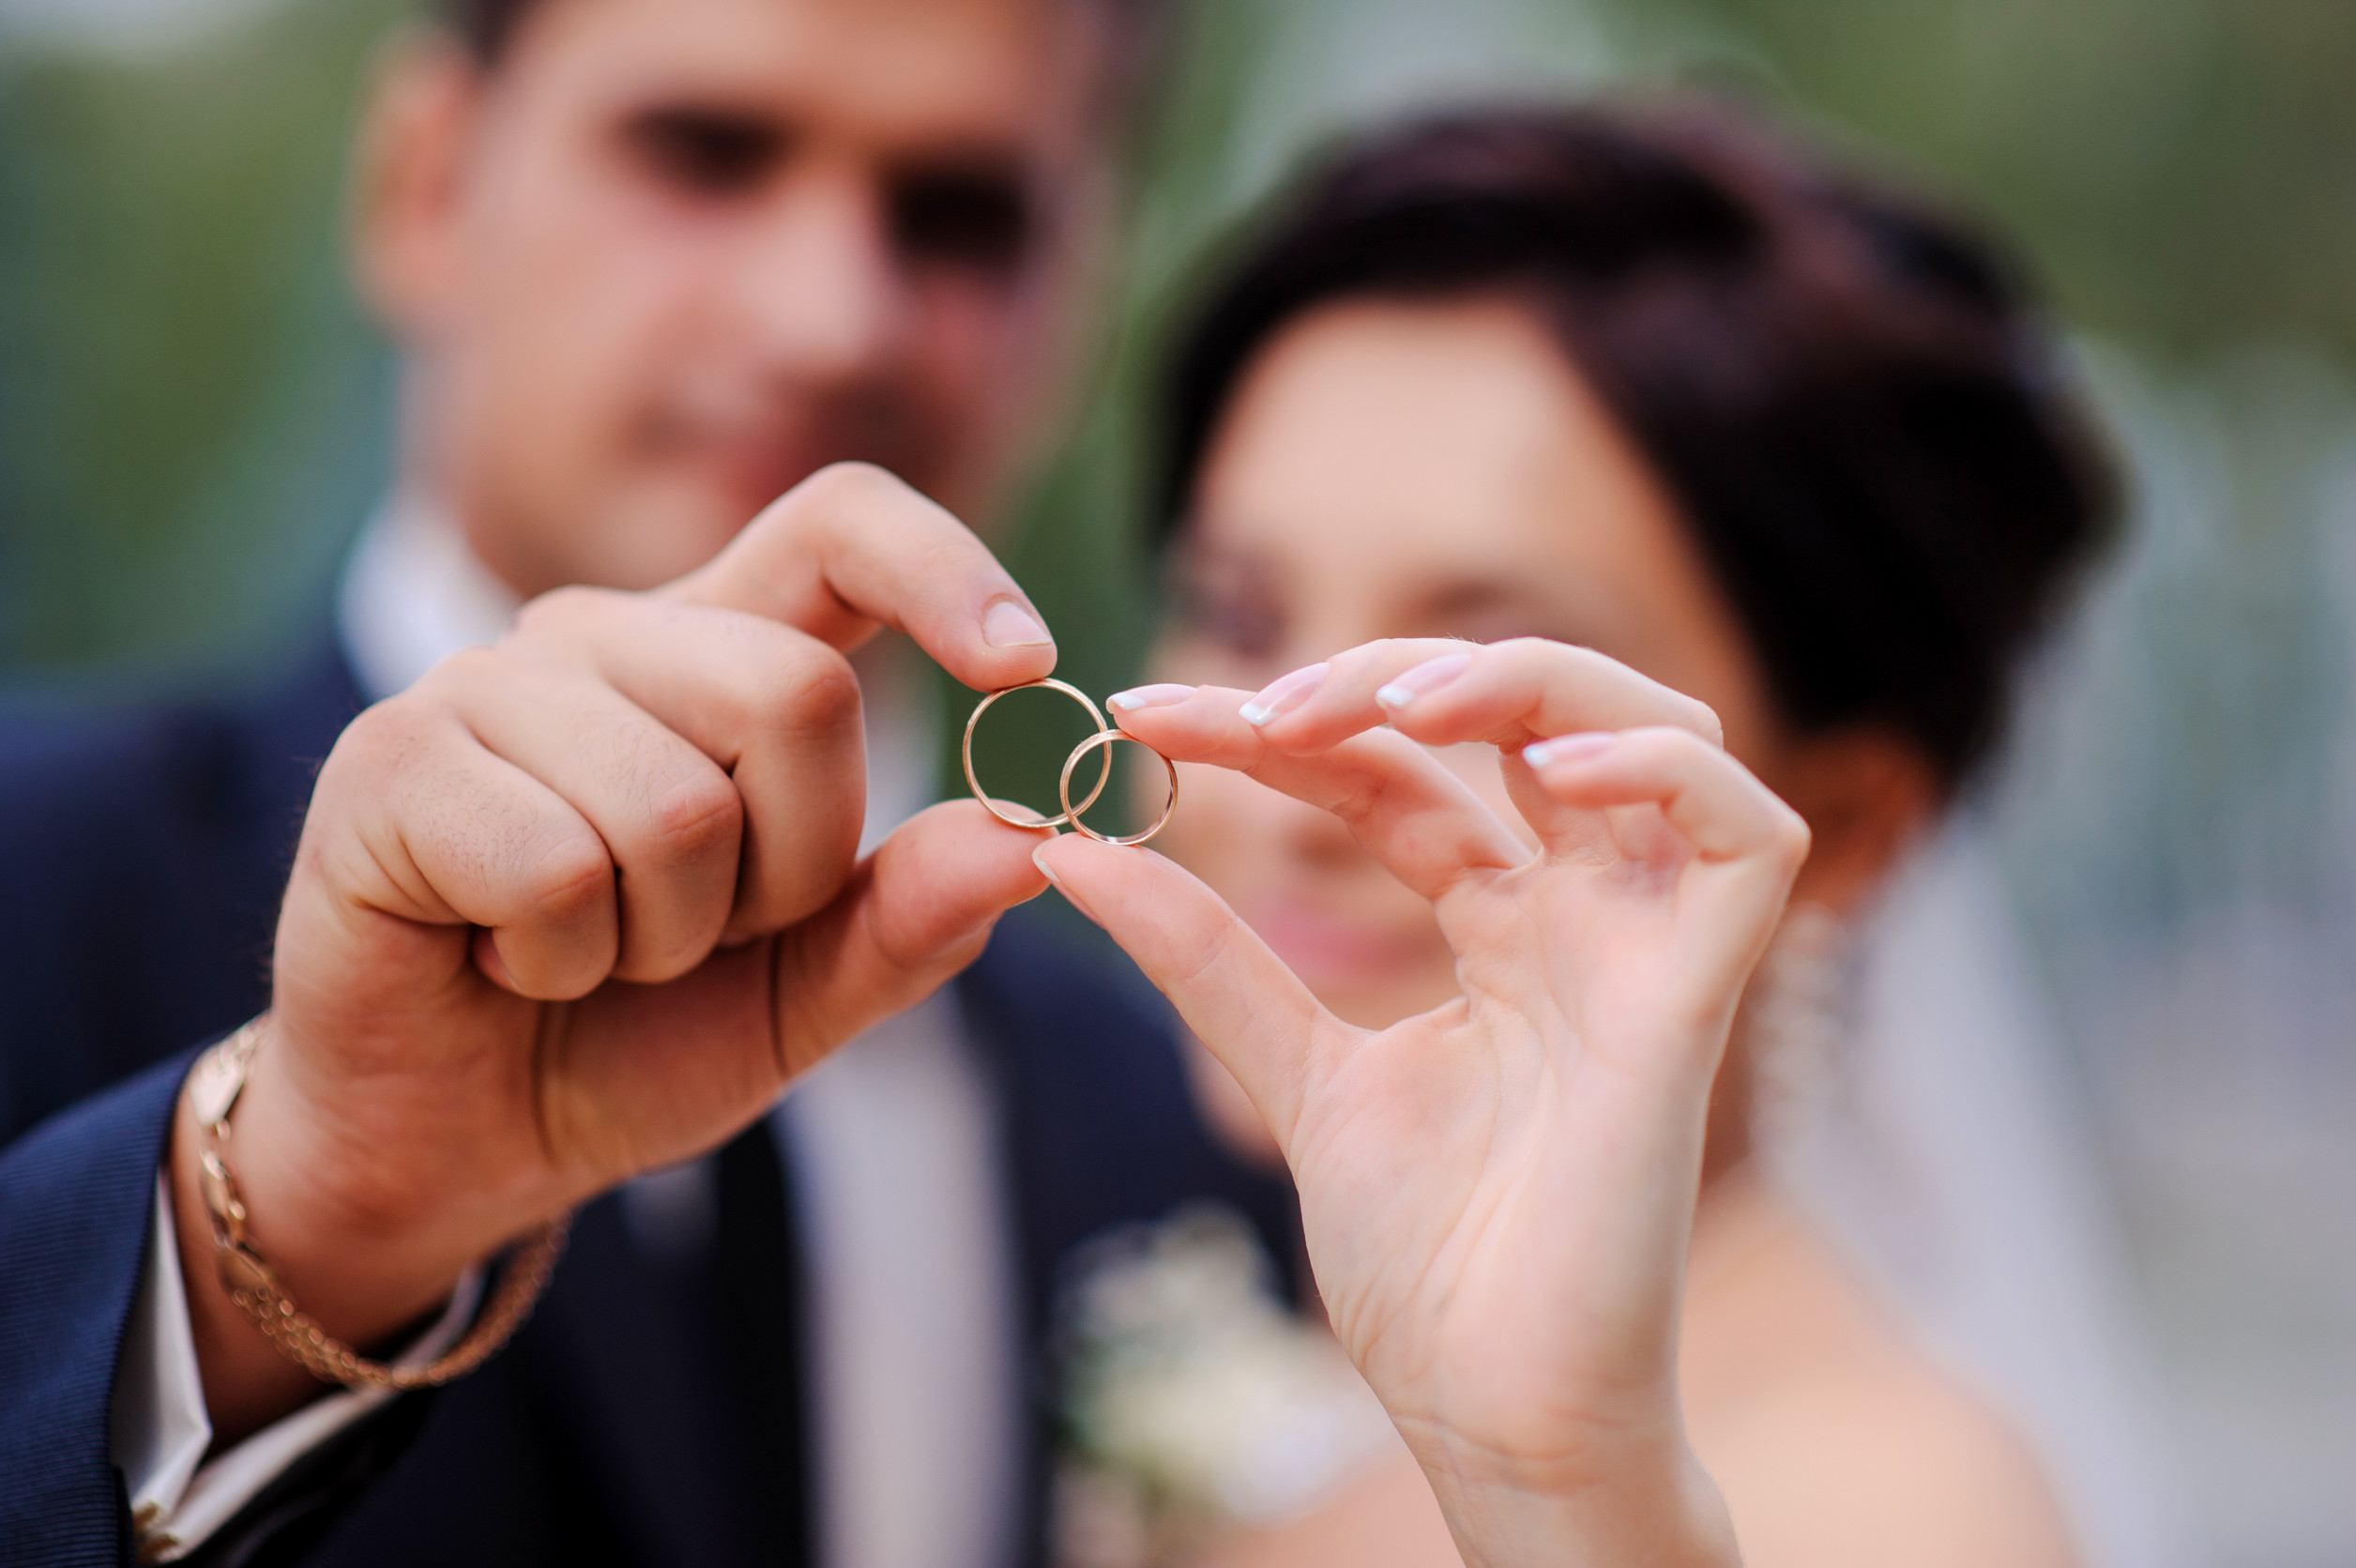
(1285,695)
(1007,624)
(1567,748)
(1425,679)
(1143,697)
(1038,859)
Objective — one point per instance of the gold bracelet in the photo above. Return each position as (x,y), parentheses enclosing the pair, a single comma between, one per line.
(213,1087)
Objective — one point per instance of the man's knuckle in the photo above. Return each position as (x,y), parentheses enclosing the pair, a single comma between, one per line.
(568,878)
(370,734)
(563,609)
(383,739)
(815,690)
(950,555)
(455,673)
(697,814)
(853,484)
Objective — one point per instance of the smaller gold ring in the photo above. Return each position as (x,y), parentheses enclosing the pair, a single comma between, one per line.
(992,806)
(1071,813)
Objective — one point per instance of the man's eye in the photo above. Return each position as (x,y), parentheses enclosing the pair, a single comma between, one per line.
(975,220)
(707,153)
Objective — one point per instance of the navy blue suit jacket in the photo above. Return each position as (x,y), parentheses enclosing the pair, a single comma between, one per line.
(652,1410)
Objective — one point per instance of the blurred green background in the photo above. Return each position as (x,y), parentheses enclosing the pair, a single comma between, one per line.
(193,419)
(190,408)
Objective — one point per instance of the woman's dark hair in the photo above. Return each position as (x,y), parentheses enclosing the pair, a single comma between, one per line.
(1843,392)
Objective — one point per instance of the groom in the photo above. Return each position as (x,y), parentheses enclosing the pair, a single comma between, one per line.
(649,262)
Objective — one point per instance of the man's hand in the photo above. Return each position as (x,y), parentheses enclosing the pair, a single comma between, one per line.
(1497,1193)
(580,904)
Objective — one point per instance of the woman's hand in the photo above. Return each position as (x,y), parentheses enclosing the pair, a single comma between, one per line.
(1497,1193)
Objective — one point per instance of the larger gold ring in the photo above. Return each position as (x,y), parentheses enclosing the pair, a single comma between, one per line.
(1069,814)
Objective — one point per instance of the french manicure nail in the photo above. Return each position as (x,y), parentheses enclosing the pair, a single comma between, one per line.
(1566,748)
(1007,624)
(1038,860)
(1142,697)
(1425,679)
(1285,695)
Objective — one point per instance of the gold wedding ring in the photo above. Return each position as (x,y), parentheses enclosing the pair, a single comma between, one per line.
(1071,813)
(1102,779)
(1103,737)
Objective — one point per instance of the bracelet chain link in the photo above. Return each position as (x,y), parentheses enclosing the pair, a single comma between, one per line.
(253,1284)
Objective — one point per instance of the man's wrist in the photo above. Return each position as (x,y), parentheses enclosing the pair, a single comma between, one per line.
(359,1289)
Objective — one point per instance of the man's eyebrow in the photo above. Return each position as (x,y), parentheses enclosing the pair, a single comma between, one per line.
(961,158)
(717,144)
(691,103)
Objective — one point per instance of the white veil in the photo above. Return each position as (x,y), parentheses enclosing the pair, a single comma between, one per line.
(1945,1157)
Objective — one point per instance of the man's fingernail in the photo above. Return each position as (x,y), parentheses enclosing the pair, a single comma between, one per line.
(1007,624)
(1150,697)
(1285,695)
(1425,679)
(1566,748)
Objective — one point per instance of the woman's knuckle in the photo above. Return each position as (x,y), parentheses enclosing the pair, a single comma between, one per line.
(1794,837)
(1662,744)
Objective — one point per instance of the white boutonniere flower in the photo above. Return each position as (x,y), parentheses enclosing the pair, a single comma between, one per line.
(1195,1402)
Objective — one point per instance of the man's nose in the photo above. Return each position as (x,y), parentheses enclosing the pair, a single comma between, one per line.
(818,289)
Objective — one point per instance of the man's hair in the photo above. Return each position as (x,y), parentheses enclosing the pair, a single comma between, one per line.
(488,27)
(485,26)
(1844,393)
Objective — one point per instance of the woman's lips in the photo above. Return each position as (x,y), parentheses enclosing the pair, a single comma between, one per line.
(1326,948)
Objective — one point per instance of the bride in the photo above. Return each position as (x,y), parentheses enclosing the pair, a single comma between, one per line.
(1649,384)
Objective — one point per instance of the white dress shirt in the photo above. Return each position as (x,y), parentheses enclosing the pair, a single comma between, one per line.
(161,1429)
(913,1335)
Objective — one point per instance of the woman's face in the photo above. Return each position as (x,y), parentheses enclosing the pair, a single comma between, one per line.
(1390,469)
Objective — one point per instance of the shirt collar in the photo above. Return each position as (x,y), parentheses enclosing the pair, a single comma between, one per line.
(413,594)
